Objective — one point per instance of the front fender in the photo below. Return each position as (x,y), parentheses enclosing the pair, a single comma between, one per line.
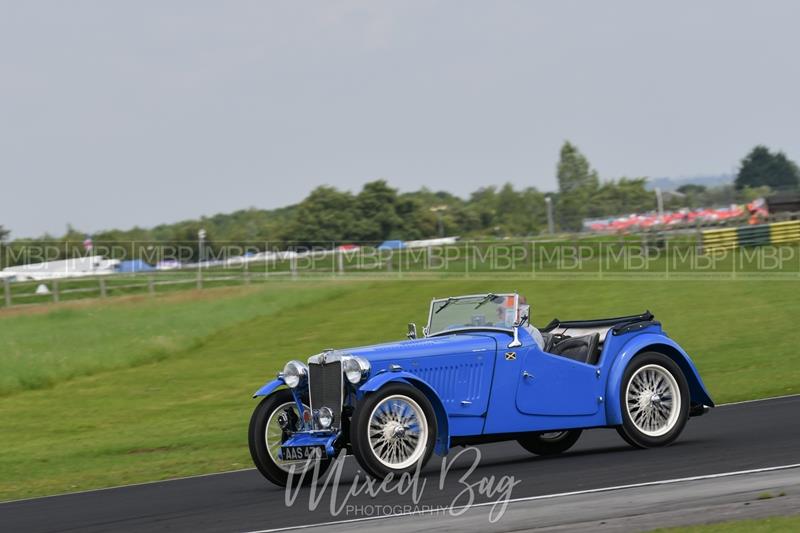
(656,343)
(443,432)
(269,387)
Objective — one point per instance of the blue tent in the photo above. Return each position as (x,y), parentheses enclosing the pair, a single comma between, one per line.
(392,245)
(135,265)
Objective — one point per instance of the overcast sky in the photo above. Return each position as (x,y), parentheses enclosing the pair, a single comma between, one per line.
(114,114)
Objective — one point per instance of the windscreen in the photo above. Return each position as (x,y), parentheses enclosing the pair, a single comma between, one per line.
(490,310)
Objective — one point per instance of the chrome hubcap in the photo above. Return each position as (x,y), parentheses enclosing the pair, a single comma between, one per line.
(397,432)
(653,400)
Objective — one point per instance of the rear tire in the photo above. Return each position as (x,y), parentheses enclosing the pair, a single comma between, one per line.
(655,401)
(264,454)
(550,442)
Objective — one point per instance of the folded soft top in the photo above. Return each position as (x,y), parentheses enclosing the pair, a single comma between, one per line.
(647,316)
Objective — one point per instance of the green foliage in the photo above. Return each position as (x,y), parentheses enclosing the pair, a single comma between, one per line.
(764,168)
(376,207)
(574,172)
(690,195)
(691,188)
(582,195)
(3,236)
(325,215)
(571,208)
(376,213)
(695,196)
(379,212)
(748,194)
(722,195)
(627,195)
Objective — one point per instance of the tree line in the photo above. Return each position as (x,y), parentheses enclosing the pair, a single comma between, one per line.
(379,212)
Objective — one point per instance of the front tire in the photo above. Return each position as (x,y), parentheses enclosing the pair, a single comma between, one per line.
(655,401)
(550,442)
(393,430)
(265,437)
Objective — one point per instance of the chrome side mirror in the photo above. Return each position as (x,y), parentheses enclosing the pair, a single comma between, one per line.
(515,342)
(412,331)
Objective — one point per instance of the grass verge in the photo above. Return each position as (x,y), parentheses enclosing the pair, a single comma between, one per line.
(763,525)
(45,345)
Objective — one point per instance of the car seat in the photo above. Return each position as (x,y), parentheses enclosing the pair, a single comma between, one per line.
(583,349)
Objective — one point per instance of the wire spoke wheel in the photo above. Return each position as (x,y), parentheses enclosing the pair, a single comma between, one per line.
(273,436)
(397,432)
(265,437)
(653,400)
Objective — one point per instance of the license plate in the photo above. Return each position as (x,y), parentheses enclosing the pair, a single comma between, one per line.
(301,453)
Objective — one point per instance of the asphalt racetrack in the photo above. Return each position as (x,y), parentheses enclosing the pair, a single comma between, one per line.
(736,437)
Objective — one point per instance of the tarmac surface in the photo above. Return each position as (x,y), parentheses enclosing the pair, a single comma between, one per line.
(733,438)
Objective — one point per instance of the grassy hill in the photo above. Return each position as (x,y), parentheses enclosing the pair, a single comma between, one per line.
(138,389)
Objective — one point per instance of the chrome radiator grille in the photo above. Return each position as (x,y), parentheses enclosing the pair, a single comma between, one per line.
(325,387)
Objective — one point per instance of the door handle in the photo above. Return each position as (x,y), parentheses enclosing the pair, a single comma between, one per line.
(526,374)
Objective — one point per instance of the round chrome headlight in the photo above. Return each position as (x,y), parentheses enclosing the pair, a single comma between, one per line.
(356,369)
(294,373)
(325,418)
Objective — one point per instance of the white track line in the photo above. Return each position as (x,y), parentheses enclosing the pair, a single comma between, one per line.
(248,469)
(758,400)
(542,497)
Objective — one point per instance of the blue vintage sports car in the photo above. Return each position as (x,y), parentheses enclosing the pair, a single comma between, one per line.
(480,373)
